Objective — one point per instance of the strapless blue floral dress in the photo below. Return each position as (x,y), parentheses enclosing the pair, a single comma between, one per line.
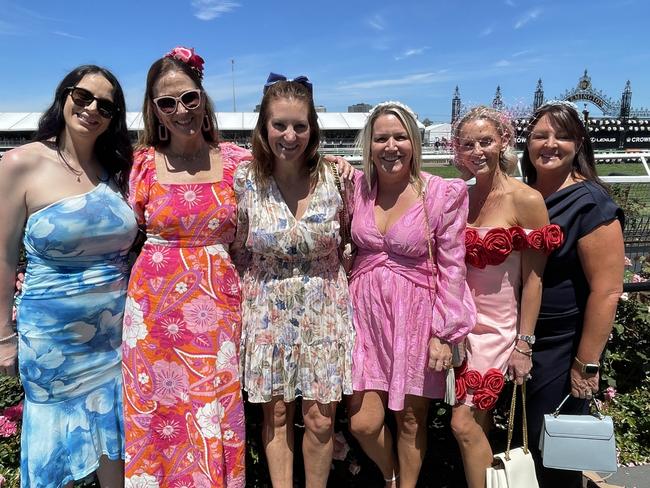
(70,328)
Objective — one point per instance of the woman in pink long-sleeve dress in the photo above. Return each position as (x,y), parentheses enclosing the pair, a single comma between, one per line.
(406,314)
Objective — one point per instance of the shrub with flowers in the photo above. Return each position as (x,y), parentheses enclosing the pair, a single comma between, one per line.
(11,410)
(626,370)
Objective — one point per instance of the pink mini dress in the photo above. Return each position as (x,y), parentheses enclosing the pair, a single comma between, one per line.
(494,277)
(399,301)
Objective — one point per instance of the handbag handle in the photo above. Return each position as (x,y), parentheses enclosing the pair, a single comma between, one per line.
(593,402)
(345,230)
(511,419)
(343,214)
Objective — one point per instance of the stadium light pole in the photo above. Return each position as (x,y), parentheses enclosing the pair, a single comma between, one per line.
(232,70)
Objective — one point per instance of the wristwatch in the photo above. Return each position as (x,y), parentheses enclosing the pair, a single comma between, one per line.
(530,339)
(587,368)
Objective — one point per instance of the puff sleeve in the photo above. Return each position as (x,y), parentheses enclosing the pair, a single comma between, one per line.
(139,183)
(454,313)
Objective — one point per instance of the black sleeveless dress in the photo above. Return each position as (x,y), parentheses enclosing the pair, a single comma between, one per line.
(578,209)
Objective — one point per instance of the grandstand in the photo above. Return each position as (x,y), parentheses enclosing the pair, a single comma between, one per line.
(338,129)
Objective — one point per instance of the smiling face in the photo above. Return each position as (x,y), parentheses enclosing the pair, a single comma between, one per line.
(479,146)
(288,129)
(391,149)
(182,123)
(86,120)
(550,147)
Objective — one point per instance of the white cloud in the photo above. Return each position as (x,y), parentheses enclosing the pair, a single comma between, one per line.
(487,31)
(66,34)
(211,9)
(502,63)
(416,79)
(411,52)
(527,17)
(376,22)
(510,3)
(521,53)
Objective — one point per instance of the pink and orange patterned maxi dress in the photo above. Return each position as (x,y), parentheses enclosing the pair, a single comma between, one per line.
(183,412)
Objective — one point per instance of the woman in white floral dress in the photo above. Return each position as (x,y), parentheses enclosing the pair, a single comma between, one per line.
(297,336)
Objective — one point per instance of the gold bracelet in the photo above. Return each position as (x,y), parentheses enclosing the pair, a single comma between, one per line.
(528,353)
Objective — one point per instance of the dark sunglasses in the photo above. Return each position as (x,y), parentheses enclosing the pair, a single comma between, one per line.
(191,100)
(82,98)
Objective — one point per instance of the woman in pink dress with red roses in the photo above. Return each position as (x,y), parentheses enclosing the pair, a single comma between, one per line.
(507,240)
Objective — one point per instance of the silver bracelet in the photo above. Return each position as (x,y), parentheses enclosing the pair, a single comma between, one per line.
(8,338)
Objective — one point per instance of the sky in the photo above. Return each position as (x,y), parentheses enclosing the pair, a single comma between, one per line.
(354,51)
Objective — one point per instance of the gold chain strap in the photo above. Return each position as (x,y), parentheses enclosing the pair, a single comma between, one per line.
(344,217)
(511,418)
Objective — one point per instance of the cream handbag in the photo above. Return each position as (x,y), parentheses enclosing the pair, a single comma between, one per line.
(513,468)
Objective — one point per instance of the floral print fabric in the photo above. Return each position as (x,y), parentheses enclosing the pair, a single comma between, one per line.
(70,322)
(297,318)
(184,416)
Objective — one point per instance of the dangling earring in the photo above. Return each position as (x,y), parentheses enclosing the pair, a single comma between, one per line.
(163,133)
(206,126)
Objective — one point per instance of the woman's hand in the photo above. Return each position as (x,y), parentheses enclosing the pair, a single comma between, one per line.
(519,366)
(439,354)
(583,385)
(346,170)
(20,279)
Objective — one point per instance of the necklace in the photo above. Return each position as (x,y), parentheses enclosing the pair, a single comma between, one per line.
(68,166)
(185,158)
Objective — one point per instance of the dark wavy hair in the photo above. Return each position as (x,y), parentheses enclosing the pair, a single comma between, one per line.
(113,147)
(563,117)
(150,135)
(262,155)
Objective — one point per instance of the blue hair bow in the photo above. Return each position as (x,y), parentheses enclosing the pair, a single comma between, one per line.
(274,78)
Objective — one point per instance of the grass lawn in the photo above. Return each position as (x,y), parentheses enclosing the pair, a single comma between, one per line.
(624,169)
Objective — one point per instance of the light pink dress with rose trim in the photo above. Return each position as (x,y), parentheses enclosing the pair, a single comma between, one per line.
(496,289)
(398,305)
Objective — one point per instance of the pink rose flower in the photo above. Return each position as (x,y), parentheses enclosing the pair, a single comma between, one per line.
(610,393)
(7,427)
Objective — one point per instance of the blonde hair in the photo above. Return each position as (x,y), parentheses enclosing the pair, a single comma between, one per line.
(508,157)
(409,120)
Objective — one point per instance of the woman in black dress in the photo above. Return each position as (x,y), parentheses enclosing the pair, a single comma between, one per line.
(583,279)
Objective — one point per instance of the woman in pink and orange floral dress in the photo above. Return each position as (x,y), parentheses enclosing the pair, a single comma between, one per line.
(184,418)
(507,241)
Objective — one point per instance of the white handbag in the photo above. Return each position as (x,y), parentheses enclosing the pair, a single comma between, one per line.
(513,468)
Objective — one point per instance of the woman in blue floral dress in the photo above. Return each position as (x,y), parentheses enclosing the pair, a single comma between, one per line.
(65,192)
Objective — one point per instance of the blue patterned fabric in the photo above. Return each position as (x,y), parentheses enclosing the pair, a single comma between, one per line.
(70,328)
